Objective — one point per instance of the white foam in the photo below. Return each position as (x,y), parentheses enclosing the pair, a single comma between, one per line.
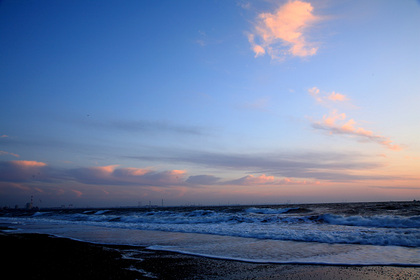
(238,248)
(369,230)
(100,212)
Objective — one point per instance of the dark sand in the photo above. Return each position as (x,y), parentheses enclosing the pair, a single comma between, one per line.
(35,256)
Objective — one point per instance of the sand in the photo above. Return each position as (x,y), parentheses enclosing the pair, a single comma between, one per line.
(36,256)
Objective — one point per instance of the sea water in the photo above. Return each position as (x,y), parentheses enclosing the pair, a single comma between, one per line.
(343,233)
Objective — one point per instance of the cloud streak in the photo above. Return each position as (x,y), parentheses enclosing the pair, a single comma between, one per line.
(3,153)
(285,31)
(267,180)
(335,167)
(324,98)
(262,169)
(144,126)
(338,123)
(22,171)
(22,178)
(112,175)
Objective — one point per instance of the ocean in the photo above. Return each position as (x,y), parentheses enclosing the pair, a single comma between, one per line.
(376,233)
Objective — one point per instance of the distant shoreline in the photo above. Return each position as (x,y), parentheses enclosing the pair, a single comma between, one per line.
(38,256)
(54,208)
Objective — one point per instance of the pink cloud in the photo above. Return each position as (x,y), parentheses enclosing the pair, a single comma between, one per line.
(28,163)
(284,32)
(78,193)
(134,171)
(104,169)
(267,180)
(336,123)
(323,97)
(337,97)
(332,118)
(112,175)
(258,50)
(23,170)
(7,153)
(262,179)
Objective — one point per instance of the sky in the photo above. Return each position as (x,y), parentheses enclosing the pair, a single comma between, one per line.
(126,103)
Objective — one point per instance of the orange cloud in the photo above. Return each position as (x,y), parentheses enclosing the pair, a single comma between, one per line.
(332,124)
(111,175)
(336,123)
(105,169)
(263,179)
(258,50)
(283,32)
(337,97)
(171,177)
(178,172)
(330,120)
(78,193)
(23,170)
(324,97)
(134,171)
(28,163)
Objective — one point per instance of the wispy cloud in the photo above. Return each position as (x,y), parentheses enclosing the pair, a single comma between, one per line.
(203,180)
(396,187)
(150,126)
(334,96)
(285,31)
(324,97)
(339,123)
(331,166)
(28,163)
(112,175)
(3,153)
(22,171)
(268,180)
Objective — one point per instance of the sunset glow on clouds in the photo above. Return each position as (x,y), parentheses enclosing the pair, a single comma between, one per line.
(283,32)
(7,153)
(338,123)
(326,97)
(214,103)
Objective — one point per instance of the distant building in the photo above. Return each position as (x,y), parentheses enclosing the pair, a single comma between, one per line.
(30,205)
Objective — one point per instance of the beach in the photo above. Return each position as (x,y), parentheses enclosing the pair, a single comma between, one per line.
(40,256)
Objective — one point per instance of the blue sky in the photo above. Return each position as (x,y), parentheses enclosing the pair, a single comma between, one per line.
(109,103)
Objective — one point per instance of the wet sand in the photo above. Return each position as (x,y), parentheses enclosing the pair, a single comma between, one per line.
(36,256)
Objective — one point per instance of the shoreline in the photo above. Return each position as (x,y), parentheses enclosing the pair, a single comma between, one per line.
(40,256)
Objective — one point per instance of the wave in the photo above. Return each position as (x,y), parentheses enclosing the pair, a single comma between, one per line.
(254,210)
(250,215)
(302,223)
(293,230)
(373,221)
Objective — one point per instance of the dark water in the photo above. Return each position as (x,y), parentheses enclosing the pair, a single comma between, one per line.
(385,232)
